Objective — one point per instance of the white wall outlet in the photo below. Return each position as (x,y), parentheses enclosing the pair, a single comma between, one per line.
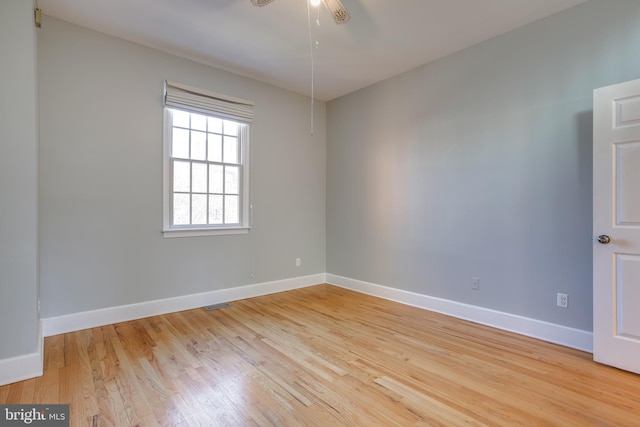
(562,300)
(475,283)
(298,262)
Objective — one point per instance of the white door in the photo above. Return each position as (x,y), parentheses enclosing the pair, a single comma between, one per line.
(616,226)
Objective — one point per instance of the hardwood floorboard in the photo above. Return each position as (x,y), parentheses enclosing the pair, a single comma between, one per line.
(323,356)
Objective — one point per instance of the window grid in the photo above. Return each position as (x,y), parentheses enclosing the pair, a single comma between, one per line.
(224,134)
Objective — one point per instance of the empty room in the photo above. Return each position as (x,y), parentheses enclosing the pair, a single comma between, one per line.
(320,213)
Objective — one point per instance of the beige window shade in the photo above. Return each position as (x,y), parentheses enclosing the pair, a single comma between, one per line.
(177,95)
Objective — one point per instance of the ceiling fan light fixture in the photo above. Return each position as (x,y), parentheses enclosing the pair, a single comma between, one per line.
(337,10)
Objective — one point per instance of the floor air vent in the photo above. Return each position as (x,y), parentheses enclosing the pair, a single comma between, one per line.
(217,306)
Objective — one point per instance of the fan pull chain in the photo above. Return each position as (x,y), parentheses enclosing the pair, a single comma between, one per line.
(312,44)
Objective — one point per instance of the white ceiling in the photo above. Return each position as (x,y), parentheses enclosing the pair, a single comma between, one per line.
(271,43)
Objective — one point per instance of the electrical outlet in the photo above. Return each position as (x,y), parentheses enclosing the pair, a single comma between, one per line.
(298,262)
(562,300)
(475,283)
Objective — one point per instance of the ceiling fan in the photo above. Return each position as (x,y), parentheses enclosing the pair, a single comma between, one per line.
(335,8)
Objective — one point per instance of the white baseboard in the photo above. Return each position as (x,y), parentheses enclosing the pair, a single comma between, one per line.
(558,334)
(31,365)
(106,316)
(23,367)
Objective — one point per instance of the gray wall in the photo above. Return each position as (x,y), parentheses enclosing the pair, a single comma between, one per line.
(18,180)
(101,179)
(479,165)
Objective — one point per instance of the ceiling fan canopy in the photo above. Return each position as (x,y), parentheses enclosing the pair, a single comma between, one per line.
(335,7)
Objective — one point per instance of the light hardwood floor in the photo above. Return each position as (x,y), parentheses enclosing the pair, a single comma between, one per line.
(323,356)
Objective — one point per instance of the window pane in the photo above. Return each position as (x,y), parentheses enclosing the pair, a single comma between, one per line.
(198,145)
(215,148)
(199,177)
(198,121)
(199,209)
(232,180)
(180,143)
(231,210)
(215,124)
(206,155)
(230,149)
(180,118)
(181,176)
(215,179)
(181,208)
(215,209)
(230,128)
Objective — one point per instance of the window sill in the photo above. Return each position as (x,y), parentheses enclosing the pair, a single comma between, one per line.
(201,232)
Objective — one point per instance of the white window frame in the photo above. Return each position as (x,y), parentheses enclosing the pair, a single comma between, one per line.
(186,98)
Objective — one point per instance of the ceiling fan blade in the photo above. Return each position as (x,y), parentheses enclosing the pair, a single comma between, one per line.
(260,3)
(337,10)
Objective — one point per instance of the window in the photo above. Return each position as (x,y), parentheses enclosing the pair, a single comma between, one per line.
(206,170)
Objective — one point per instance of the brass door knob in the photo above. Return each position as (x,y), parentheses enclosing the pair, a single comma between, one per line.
(604,239)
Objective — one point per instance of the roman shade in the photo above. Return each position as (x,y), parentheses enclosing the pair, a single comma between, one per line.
(185,97)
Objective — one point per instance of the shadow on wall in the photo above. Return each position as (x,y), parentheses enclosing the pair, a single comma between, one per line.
(584,130)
